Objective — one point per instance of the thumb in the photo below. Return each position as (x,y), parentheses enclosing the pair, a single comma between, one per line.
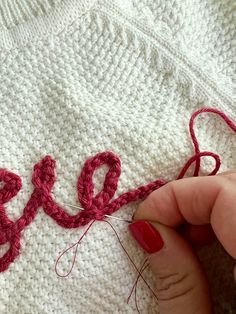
(180,283)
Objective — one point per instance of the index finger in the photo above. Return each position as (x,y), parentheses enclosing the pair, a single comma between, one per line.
(198,201)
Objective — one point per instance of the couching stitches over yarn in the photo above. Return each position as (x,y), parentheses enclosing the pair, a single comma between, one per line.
(95,207)
(43,179)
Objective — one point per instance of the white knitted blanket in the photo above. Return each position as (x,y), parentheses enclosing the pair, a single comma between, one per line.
(79,77)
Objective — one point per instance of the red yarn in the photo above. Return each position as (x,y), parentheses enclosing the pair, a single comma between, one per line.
(197,158)
(95,207)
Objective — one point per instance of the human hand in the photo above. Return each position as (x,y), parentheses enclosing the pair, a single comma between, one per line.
(207,207)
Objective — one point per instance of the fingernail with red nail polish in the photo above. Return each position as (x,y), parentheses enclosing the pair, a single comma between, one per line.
(147,236)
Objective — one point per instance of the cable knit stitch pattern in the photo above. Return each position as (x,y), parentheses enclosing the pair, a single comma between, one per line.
(81,77)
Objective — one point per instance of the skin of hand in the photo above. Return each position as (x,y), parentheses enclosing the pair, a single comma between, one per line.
(206,206)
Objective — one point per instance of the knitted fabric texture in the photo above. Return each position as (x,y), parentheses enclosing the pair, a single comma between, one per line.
(82,77)
(94,207)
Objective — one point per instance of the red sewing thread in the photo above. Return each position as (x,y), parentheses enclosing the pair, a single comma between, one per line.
(142,269)
(134,288)
(95,207)
(143,266)
(75,253)
(132,262)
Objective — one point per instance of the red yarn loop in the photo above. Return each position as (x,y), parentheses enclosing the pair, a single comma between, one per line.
(227,120)
(44,177)
(95,207)
(12,185)
(85,184)
(196,158)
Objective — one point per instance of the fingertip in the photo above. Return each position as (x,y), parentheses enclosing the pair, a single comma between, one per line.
(160,206)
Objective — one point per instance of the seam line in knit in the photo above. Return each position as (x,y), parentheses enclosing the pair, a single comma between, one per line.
(157,41)
(56,19)
(14,13)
